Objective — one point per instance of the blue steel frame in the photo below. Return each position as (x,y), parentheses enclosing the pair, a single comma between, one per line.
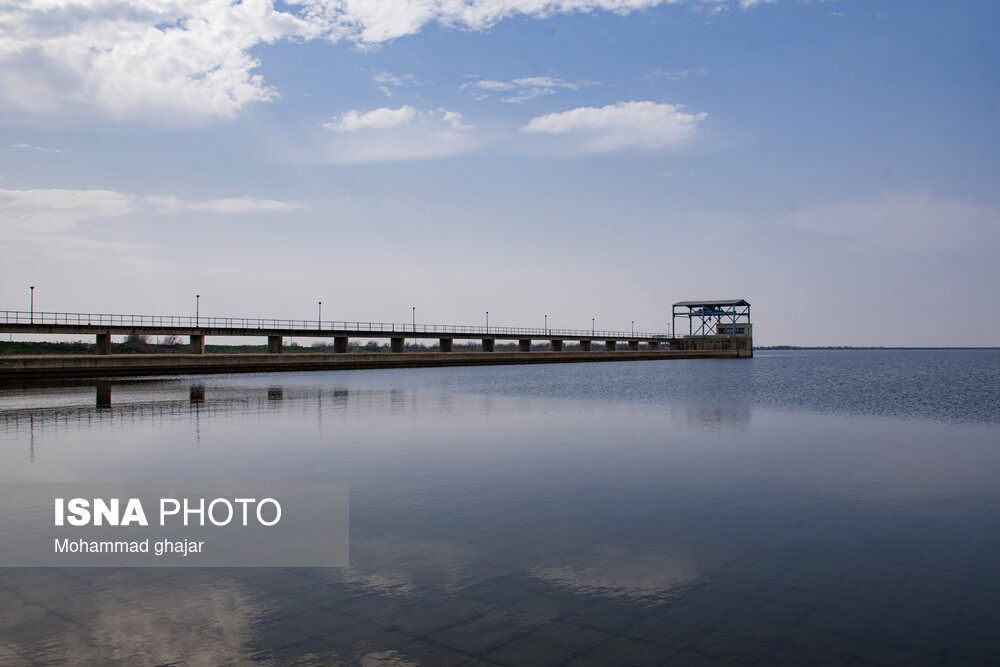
(709,315)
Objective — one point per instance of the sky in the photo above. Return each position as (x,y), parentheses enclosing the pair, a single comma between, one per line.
(833,162)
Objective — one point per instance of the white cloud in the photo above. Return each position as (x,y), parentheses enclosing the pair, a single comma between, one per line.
(454,119)
(42,212)
(155,61)
(386,82)
(621,125)
(675,75)
(41,149)
(524,88)
(388,135)
(225,206)
(186,62)
(378,119)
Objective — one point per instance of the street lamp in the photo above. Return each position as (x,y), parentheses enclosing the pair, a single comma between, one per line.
(633,328)
(197,305)
(414,309)
(487,321)
(319,317)
(593,327)
(546,324)
(32,299)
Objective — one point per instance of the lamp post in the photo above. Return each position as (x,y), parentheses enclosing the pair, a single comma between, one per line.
(633,328)
(487,321)
(593,326)
(319,317)
(546,324)
(32,300)
(414,314)
(197,305)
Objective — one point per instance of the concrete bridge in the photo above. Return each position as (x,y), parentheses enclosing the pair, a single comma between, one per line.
(196,328)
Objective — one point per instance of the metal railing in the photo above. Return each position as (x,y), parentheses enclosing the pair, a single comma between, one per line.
(242,323)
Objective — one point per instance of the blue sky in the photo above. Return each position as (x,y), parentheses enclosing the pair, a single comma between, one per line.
(833,162)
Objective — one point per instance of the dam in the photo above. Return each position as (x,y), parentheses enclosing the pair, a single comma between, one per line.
(716,329)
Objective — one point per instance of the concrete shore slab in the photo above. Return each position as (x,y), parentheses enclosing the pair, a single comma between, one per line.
(119,365)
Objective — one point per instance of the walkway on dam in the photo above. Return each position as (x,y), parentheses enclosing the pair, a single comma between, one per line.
(104,325)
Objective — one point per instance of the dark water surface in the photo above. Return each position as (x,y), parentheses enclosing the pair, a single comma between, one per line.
(797,508)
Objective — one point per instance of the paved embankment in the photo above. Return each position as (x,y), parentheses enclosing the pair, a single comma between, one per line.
(68,366)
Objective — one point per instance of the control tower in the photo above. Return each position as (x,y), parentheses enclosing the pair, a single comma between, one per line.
(713,325)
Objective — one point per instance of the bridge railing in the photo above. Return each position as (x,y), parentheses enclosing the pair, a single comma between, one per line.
(243,323)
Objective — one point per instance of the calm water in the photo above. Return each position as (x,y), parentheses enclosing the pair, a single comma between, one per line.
(796,508)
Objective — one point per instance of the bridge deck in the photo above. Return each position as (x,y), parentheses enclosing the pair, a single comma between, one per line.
(168,325)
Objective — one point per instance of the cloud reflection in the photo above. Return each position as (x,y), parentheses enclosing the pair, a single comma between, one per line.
(127,617)
(612,571)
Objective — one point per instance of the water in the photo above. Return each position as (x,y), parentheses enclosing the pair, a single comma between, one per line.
(800,507)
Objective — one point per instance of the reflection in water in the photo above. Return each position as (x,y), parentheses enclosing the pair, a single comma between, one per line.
(719,418)
(126,616)
(618,572)
(398,567)
(103,394)
(612,513)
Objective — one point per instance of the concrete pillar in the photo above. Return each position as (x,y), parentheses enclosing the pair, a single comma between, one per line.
(340,344)
(198,344)
(489,344)
(104,343)
(397,344)
(274,344)
(633,346)
(654,345)
(585,345)
(445,344)
(555,345)
(524,345)
(610,345)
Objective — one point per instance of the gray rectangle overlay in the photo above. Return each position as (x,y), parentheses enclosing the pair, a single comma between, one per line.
(312,530)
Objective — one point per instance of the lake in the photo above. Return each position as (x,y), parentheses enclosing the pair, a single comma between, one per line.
(800,507)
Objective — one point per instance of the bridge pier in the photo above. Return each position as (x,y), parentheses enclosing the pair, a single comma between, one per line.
(654,345)
(445,344)
(633,346)
(610,345)
(274,344)
(103,343)
(524,345)
(197,344)
(555,345)
(397,345)
(585,345)
(489,344)
(340,344)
